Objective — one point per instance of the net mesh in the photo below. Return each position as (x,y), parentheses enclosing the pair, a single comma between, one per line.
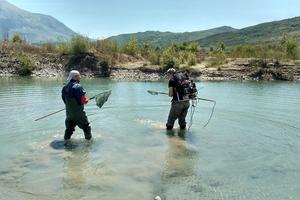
(102,98)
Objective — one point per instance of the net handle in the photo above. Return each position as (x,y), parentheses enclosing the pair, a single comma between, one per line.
(156,92)
(93,97)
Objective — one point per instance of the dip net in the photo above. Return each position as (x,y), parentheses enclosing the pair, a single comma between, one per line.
(101,98)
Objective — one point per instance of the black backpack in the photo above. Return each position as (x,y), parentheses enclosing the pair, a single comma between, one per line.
(184,86)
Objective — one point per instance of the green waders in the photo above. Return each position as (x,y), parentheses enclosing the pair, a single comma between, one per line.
(179,110)
(76,116)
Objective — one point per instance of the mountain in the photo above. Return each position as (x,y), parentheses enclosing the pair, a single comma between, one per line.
(34,27)
(265,32)
(157,38)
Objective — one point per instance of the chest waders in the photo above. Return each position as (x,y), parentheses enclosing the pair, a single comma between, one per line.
(76,117)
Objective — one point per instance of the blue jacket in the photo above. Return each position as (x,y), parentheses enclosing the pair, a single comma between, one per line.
(73,90)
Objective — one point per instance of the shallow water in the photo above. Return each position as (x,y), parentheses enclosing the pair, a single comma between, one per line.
(250,150)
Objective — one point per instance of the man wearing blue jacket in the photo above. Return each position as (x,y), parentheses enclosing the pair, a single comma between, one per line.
(74,98)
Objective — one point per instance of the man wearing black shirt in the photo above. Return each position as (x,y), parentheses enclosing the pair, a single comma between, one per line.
(179,106)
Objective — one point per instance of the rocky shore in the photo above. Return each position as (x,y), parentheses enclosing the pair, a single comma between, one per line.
(53,65)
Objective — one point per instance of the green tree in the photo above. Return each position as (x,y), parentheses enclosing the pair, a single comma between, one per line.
(132,46)
(222,46)
(145,49)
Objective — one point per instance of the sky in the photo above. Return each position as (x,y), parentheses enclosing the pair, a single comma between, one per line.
(103,18)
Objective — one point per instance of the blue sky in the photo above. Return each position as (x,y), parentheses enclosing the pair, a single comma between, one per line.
(100,18)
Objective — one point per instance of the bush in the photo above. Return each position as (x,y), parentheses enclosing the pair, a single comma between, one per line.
(244,51)
(105,68)
(107,46)
(4,45)
(49,47)
(63,48)
(288,48)
(17,38)
(26,66)
(193,47)
(154,58)
(168,64)
(218,56)
(291,46)
(192,59)
(169,56)
(79,44)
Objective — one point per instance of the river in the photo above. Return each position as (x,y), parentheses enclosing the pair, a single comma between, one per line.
(249,150)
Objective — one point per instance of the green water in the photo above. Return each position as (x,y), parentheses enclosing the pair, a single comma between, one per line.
(250,150)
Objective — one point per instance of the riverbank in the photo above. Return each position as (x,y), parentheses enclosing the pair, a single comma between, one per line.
(55,65)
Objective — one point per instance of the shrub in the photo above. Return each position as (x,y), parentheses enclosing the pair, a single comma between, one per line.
(168,57)
(192,59)
(63,48)
(262,51)
(4,45)
(218,56)
(17,38)
(79,44)
(26,66)
(244,51)
(107,46)
(193,47)
(291,46)
(168,64)
(49,47)
(154,58)
(105,68)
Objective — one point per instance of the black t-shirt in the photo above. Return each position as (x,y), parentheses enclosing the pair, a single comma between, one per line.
(177,95)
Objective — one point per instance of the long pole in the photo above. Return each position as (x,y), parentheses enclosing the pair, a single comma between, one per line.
(58,111)
(50,114)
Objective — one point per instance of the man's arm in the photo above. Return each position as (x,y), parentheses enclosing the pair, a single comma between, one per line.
(171,88)
(80,96)
(84,100)
(63,95)
(170,91)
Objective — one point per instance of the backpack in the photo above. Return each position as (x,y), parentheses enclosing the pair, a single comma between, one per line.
(184,86)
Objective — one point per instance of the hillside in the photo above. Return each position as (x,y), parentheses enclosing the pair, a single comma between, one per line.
(265,32)
(34,27)
(157,38)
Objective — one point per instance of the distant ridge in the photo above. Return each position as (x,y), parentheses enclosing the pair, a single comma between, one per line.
(34,27)
(265,32)
(157,38)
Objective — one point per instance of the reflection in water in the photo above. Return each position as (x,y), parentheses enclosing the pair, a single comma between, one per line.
(75,166)
(178,172)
